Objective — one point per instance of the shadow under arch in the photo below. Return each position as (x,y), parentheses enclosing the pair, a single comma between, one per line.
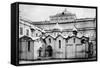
(49,50)
(25,38)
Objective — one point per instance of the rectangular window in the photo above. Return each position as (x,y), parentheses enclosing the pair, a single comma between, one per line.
(21,30)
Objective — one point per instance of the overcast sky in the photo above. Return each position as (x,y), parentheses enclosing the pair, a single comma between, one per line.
(41,13)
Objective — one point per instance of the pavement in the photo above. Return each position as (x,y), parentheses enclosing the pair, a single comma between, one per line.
(52,60)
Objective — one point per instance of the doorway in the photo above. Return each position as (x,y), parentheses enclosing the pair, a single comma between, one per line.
(49,51)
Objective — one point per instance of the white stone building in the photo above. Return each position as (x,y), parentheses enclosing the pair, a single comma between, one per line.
(29,40)
(63,37)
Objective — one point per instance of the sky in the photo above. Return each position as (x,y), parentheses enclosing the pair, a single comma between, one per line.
(42,13)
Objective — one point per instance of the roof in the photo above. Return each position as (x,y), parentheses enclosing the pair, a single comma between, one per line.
(29,38)
(74,28)
(25,38)
(50,23)
(40,22)
(64,13)
(35,27)
(57,27)
(66,22)
(67,37)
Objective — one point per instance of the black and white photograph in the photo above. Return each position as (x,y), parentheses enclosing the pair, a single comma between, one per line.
(56,34)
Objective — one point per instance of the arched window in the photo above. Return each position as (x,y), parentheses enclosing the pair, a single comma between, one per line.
(73,40)
(28,45)
(59,43)
(49,40)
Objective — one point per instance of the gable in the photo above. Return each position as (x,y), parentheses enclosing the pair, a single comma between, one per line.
(49,36)
(74,39)
(59,37)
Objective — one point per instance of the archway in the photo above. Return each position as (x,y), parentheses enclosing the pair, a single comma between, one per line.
(49,51)
(40,50)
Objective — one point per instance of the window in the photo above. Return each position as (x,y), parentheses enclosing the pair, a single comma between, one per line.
(66,41)
(40,50)
(73,40)
(36,35)
(32,32)
(59,43)
(28,45)
(21,30)
(49,40)
(27,32)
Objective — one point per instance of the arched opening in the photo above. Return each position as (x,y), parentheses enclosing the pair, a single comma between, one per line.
(49,51)
(59,43)
(49,40)
(40,50)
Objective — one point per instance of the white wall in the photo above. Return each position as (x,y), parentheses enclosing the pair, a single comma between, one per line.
(60,50)
(5,34)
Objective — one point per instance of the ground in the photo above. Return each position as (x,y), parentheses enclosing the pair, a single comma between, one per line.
(54,60)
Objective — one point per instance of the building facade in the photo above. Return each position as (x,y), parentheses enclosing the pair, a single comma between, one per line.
(64,36)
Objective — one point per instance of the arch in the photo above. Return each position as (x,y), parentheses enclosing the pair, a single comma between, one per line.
(49,50)
(25,38)
(40,50)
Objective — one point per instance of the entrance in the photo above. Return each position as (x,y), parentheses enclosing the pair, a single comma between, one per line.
(49,51)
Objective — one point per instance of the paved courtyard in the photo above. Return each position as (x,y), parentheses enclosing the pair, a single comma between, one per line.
(53,60)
